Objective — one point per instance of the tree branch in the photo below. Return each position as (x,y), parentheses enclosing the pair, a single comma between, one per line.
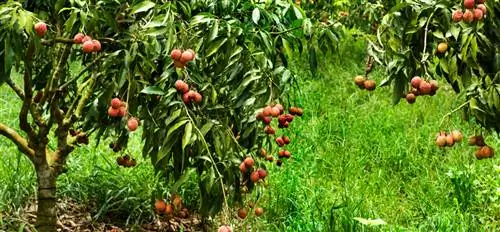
(28,92)
(15,87)
(17,139)
(81,72)
(51,42)
(52,84)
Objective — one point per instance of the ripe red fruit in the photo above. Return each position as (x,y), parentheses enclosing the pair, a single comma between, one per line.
(300,111)
(269,158)
(177,202)
(293,110)
(186,98)
(113,112)
(289,118)
(181,86)
(282,119)
(88,46)
(242,213)
(78,38)
(176,54)
(259,211)
(457,15)
(255,177)
(225,228)
(262,173)
(477,140)
(485,152)
(40,29)
(187,56)
(97,45)
(425,88)
(243,167)
(267,120)
(287,154)
(269,130)
(449,140)
(160,205)
(411,98)
(116,103)
(281,154)
(275,112)
(267,111)
(482,7)
(260,115)
(197,98)
(434,85)
(468,16)
(286,139)
(132,124)
(86,38)
(359,81)
(415,82)
(280,141)
(169,210)
(370,85)
(441,141)
(469,4)
(280,107)
(478,14)
(457,136)
(248,162)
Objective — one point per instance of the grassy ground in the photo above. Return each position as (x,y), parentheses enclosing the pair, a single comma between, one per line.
(355,155)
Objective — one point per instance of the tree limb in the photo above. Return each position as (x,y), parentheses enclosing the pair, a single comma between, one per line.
(15,87)
(51,42)
(17,139)
(28,92)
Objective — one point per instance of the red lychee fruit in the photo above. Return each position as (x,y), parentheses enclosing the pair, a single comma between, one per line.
(40,29)
(275,112)
(187,56)
(485,152)
(116,103)
(449,140)
(225,228)
(197,98)
(255,177)
(248,162)
(88,46)
(457,136)
(457,16)
(478,14)
(425,88)
(86,38)
(181,86)
(269,130)
(159,205)
(441,140)
(483,8)
(176,54)
(289,118)
(112,112)
(78,38)
(186,98)
(132,124)
(411,98)
(280,107)
(359,81)
(97,45)
(469,4)
(169,209)
(242,213)
(415,82)
(267,111)
(468,16)
(280,141)
(262,173)
(267,120)
(243,167)
(370,85)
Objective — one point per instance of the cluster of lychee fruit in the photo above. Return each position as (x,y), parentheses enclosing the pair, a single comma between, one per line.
(473,11)
(117,108)
(188,95)
(269,112)
(175,208)
(364,83)
(444,139)
(126,161)
(181,58)
(242,212)
(421,87)
(484,150)
(248,165)
(89,45)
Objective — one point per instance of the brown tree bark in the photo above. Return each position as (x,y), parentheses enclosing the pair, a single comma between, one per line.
(47,211)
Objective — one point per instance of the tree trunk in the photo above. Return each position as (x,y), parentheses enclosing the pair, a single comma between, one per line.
(47,211)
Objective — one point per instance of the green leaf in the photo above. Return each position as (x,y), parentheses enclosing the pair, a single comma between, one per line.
(175,127)
(214,47)
(153,90)
(142,7)
(313,60)
(187,135)
(215,31)
(206,128)
(256,15)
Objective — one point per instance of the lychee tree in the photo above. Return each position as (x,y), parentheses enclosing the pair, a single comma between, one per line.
(452,40)
(193,74)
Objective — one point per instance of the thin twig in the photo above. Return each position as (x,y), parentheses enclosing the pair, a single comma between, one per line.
(453,111)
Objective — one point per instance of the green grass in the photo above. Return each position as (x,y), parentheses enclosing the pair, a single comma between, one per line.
(354,155)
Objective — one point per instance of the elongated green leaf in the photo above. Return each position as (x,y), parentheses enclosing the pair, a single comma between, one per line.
(214,47)
(153,90)
(256,15)
(175,127)
(187,135)
(142,7)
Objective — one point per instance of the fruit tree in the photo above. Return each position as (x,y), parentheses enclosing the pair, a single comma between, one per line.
(457,41)
(206,82)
